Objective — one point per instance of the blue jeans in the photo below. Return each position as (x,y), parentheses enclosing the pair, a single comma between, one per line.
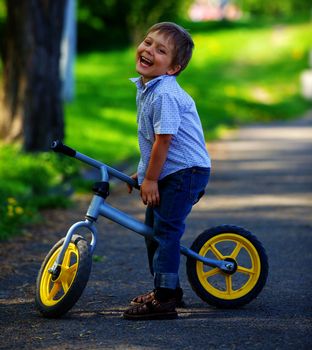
(178,193)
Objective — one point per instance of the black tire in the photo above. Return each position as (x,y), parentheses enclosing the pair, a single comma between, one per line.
(55,297)
(218,288)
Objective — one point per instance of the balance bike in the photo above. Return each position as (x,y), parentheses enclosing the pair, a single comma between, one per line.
(226,266)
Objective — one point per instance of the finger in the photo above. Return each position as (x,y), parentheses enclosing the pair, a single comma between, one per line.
(152,201)
(149,200)
(129,188)
(155,198)
(144,199)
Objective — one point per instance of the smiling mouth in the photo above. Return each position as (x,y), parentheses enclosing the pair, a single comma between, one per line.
(145,61)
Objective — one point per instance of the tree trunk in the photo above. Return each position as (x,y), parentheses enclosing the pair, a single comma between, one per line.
(31,105)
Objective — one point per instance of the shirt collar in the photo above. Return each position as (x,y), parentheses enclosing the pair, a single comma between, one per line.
(138,82)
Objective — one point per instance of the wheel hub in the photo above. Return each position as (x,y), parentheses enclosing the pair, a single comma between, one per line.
(55,272)
(233,269)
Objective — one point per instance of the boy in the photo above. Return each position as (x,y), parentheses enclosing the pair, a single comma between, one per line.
(174,166)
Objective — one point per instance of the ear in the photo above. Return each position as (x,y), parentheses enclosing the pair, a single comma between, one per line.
(174,70)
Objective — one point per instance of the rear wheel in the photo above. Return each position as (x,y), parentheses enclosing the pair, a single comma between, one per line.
(57,293)
(228,290)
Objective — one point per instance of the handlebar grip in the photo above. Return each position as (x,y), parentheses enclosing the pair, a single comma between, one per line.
(136,184)
(58,146)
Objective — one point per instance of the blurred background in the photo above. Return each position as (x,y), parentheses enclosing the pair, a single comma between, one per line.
(65,69)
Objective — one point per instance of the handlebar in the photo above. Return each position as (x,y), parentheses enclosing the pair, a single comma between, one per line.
(59,147)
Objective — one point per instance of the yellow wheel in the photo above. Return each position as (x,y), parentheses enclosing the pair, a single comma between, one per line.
(222,289)
(56,293)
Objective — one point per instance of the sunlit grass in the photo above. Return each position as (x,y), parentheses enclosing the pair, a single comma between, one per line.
(110,137)
(102,120)
(236,76)
(249,75)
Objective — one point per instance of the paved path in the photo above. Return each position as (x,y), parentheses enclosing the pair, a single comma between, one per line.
(262,179)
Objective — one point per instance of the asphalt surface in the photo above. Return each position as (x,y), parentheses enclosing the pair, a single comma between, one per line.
(261,180)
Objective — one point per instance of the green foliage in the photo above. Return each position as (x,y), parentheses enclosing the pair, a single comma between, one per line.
(145,13)
(277,8)
(29,182)
(111,24)
(2,10)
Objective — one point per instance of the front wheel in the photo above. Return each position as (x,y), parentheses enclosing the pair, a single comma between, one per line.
(228,290)
(56,294)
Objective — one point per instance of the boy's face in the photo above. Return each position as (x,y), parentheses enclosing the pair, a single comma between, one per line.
(154,57)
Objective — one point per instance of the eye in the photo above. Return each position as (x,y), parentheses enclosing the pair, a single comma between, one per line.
(162,51)
(147,42)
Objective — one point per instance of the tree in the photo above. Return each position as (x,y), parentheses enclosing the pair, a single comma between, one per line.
(31,107)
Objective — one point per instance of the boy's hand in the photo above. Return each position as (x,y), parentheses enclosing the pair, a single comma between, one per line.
(134,177)
(149,192)
(149,188)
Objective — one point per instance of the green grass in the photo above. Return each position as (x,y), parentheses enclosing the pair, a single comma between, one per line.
(236,76)
(101,121)
(29,183)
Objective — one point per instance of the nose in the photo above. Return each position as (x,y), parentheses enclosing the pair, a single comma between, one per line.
(150,50)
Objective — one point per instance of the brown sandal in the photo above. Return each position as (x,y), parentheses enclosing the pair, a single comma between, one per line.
(150,296)
(152,310)
(143,298)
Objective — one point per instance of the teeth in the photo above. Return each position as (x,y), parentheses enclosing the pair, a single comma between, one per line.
(146,60)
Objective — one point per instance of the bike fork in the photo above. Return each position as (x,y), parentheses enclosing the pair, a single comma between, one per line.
(88,224)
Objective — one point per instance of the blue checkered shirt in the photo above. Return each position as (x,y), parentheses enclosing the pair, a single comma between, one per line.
(165,108)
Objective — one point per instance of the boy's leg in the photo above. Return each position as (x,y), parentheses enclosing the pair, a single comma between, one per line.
(151,244)
(178,193)
(195,183)
(151,247)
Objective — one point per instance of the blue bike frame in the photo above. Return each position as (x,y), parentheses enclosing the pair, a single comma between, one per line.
(99,207)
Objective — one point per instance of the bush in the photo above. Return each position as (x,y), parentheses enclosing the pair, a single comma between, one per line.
(29,182)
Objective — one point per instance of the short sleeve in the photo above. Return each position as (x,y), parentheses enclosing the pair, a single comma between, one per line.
(166,114)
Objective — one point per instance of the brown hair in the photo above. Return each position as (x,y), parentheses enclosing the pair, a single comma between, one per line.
(181,39)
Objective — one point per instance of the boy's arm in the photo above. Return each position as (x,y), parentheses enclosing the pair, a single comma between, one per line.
(149,187)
